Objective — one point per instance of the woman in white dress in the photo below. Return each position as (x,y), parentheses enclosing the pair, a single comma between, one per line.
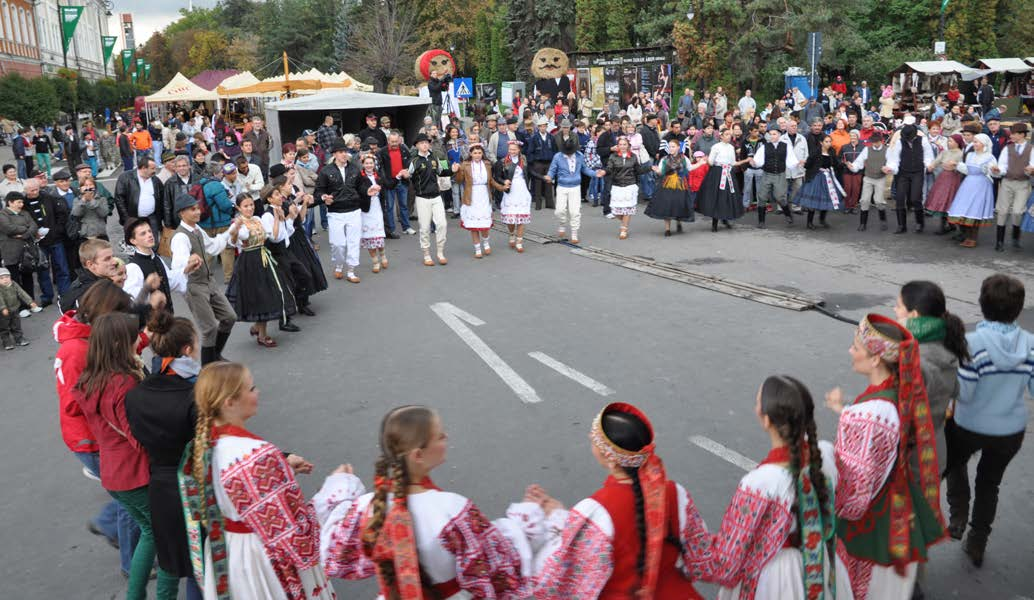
(420,541)
(250,530)
(510,176)
(475,199)
(776,540)
(718,197)
(974,203)
(373,219)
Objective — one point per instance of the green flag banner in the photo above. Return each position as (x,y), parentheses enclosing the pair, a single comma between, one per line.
(127,59)
(147,71)
(134,76)
(139,65)
(108,43)
(69,20)
(944,5)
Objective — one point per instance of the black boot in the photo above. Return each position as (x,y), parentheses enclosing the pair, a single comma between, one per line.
(863,221)
(1000,238)
(902,224)
(220,343)
(207,355)
(883,219)
(946,227)
(811,219)
(822,219)
(761,216)
(714,225)
(920,220)
(957,525)
(974,546)
(1016,237)
(787,214)
(288,326)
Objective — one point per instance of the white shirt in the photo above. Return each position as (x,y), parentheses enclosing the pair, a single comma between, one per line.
(283,235)
(859,163)
(747,103)
(759,156)
(800,148)
(252,182)
(180,245)
(145,205)
(1003,159)
(135,278)
(894,154)
(722,153)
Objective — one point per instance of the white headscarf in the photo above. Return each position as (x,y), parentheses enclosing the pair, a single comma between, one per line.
(983,139)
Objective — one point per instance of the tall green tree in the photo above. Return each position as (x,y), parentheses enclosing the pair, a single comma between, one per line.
(28,101)
(969,32)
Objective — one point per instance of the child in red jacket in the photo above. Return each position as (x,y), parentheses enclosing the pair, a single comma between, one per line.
(696,176)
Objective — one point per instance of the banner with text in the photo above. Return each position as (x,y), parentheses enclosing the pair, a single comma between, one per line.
(108,43)
(127,59)
(69,20)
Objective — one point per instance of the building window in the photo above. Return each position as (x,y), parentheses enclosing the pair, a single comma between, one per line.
(19,25)
(6,19)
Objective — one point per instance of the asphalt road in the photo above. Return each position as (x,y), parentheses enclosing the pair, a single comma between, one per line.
(691,358)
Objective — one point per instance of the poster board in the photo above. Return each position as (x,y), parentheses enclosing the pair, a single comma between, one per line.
(621,73)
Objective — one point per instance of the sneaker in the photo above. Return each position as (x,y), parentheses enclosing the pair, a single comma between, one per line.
(24,313)
(92,528)
(609,215)
(410,231)
(21,342)
(36,309)
(8,346)
(89,475)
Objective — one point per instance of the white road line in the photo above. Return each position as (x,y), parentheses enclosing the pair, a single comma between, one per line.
(570,373)
(724,453)
(454,318)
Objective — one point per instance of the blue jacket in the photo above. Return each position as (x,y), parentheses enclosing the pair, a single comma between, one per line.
(539,149)
(992,383)
(219,202)
(560,170)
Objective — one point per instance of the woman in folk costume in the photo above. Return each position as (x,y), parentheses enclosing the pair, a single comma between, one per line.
(420,542)
(821,190)
(258,289)
(776,540)
(475,199)
(946,181)
(636,537)
(304,264)
(671,200)
(510,176)
(372,237)
(718,197)
(624,169)
(974,204)
(888,514)
(250,530)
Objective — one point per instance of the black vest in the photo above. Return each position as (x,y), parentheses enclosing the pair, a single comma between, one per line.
(154,264)
(775,158)
(277,249)
(911,157)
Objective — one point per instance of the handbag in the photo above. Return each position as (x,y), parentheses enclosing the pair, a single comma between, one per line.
(31,257)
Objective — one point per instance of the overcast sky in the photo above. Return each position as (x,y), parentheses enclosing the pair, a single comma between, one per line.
(148,16)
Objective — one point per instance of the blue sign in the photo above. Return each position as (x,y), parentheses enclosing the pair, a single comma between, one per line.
(464,87)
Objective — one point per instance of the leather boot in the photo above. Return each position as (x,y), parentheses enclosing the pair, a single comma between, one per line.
(762,211)
(974,546)
(1016,237)
(787,214)
(920,220)
(220,343)
(946,227)
(883,219)
(1000,238)
(902,224)
(811,219)
(822,219)
(863,222)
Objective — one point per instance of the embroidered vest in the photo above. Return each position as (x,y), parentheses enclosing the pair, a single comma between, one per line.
(203,274)
(1017,161)
(775,158)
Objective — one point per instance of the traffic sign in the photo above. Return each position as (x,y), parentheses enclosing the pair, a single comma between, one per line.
(464,87)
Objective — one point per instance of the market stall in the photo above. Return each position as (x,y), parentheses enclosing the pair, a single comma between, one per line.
(179,92)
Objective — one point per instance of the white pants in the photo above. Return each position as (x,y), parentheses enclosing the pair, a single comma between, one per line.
(569,206)
(1012,200)
(874,191)
(346,229)
(427,210)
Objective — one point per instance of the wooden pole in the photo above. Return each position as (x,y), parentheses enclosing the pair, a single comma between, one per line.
(287,76)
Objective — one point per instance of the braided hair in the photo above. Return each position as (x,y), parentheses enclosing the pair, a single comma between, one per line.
(217,383)
(629,433)
(403,429)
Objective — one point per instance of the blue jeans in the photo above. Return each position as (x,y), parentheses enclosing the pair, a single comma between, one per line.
(400,196)
(142,154)
(113,520)
(323,217)
(157,148)
(58,269)
(22,166)
(127,163)
(595,190)
(92,161)
(309,223)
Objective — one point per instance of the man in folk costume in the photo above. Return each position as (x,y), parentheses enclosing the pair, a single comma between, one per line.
(775,159)
(908,159)
(1015,167)
(336,187)
(145,269)
(212,311)
(872,162)
(888,515)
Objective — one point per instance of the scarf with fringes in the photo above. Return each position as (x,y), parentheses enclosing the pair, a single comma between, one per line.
(396,542)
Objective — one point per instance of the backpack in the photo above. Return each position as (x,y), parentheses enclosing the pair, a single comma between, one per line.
(197,190)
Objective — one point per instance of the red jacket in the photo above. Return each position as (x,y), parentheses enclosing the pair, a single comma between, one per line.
(696,177)
(124,464)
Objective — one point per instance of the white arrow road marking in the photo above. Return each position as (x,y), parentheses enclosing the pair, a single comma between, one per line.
(454,318)
(571,373)
(724,453)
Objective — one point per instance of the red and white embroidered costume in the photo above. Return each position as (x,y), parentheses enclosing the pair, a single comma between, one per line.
(591,550)
(271,532)
(461,553)
(753,555)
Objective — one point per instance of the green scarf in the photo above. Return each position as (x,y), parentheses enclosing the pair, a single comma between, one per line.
(926,329)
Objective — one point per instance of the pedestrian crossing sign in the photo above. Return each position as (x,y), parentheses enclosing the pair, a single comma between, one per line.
(464,87)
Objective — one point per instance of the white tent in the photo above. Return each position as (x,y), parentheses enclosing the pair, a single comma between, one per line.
(935,67)
(237,81)
(1004,65)
(286,119)
(181,89)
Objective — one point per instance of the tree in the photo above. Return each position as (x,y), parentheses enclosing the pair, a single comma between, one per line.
(157,52)
(242,52)
(28,101)
(344,26)
(208,52)
(969,32)
(1014,28)
(380,42)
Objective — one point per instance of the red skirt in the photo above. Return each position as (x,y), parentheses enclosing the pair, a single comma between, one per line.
(942,192)
(852,189)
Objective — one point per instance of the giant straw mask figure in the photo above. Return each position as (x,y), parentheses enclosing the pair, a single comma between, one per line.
(434,60)
(549,66)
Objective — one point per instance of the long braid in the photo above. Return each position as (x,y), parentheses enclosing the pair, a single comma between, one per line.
(818,478)
(202,431)
(640,522)
(389,469)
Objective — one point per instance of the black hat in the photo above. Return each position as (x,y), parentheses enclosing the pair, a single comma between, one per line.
(12,196)
(993,118)
(421,137)
(277,170)
(183,202)
(80,167)
(370,141)
(62,174)
(1018,128)
(338,146)
(511,120)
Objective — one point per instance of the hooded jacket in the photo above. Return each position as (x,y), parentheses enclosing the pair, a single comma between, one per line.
(73,339)
(992,383)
